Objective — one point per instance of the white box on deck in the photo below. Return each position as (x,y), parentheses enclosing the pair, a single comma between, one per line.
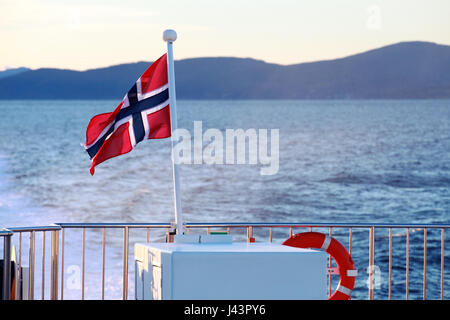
(226,271)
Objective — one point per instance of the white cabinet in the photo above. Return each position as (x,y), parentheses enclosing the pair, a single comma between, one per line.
(229,271)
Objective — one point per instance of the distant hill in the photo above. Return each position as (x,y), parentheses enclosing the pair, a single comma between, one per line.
(12,71)
(405,70)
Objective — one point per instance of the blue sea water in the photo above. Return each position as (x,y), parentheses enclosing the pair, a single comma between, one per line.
(381,161)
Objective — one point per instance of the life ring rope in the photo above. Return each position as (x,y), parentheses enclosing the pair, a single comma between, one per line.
(346,267)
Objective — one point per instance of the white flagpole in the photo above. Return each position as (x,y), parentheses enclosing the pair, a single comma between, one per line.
(170,36)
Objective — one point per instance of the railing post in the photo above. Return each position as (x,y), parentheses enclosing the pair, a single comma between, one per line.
(43,268)
(31,265)
(330,233)
(390,265)
(103,262)
(373,264)
(7,267)
(370,268)
(442,263)
(350,240)
(19,276)
(54,265)
(62,263)
(249,233)
(424,263)
(125,264)
(83,258)
(407,264)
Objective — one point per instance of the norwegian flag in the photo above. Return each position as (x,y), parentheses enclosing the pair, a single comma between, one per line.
(143,114)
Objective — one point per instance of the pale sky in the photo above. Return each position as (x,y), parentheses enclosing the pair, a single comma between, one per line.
(87,34)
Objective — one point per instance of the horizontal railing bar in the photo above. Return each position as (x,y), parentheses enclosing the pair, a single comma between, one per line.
(5,233)
(58,226)
(37,228)
(316,225)
(114,225)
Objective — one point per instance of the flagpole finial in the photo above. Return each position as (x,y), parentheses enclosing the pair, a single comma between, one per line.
(170,35)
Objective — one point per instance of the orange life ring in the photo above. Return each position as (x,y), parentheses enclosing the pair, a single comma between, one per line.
(343,259)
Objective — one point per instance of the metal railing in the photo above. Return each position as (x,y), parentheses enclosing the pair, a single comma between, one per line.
(6,276)
(54,261)
(345,233)
(103,226)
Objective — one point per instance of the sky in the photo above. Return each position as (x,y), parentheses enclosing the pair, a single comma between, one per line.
(87,34)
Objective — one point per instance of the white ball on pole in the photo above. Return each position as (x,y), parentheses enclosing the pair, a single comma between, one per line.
(170,35)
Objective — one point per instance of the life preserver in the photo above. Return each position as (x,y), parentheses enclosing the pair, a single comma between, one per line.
(343,259)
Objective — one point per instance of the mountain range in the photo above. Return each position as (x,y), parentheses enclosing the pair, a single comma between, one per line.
(405,70)
(12,71)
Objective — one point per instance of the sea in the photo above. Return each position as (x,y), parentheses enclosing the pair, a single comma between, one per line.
(340,161)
